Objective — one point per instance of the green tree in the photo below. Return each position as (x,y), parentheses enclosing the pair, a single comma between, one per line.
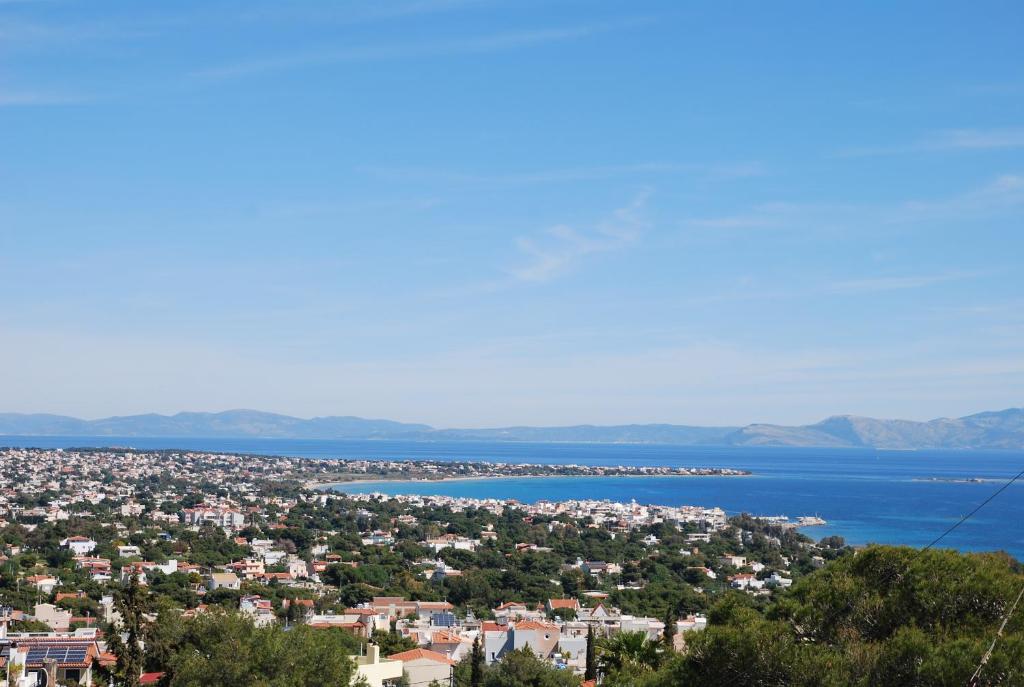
(163,636)
(130,604)
(629,653)
(522,668)
(30,626)
(885,617)
(227,647)
(670,627)
(476,663)
(564,614)
(391,642)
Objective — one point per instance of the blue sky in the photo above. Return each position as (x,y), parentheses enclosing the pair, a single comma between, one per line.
(473,212)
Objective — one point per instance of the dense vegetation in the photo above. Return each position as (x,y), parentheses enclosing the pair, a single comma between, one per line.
(885,617)
(225,649)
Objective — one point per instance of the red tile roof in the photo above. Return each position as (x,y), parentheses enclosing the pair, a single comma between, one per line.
(445,637)
(510,604)
(435,604)
(418,654)
(563,603)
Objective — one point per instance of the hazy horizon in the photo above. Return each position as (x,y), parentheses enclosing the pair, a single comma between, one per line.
(473,214)
(506,424)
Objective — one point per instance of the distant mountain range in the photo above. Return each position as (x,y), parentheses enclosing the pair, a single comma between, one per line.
(990,430)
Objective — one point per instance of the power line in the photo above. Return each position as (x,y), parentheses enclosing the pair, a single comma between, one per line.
(981,505)
(887,578)
(973,682)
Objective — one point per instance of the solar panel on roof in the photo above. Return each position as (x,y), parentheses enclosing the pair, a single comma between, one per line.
(75,653)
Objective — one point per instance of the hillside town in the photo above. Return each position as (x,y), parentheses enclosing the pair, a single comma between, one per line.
(419,584)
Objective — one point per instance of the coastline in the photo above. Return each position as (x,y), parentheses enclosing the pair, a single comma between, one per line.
(405,480)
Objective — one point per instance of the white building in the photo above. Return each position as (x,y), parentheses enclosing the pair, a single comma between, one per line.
(222,516)
(454,542)
(423,666)
(223,581)
(80,546)
(376,670)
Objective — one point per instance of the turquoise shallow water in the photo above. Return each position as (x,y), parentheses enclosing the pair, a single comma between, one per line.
(866,495)
(894,510)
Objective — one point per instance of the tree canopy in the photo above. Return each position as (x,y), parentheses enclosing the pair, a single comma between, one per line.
(226,649)
(885,617)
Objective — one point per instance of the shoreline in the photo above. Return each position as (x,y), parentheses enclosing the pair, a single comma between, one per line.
(405,480)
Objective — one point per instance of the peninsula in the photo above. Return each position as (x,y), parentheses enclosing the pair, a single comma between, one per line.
(342,471)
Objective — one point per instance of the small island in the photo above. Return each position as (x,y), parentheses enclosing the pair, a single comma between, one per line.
(957,480)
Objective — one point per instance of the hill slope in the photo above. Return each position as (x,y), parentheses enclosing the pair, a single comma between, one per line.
(231,423)
(995,430)
(989,430)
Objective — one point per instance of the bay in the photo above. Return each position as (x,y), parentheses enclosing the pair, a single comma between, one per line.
(866,495)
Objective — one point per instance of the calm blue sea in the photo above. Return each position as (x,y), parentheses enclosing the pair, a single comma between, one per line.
(866,495)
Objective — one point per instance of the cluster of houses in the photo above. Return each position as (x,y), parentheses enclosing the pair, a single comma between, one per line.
(441,638)
(31,659)
(83,477)
(556,631)
(611,515)
(546,629)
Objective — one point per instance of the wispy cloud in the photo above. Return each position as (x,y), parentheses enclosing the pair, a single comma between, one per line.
(761,216)
(28,2)
(20,33)
(348,13)
(368,53)
(566,174)
(36,98)
(948,140)
(892,283)
(997,308)
(591,173)
(561,246)
(1002,196)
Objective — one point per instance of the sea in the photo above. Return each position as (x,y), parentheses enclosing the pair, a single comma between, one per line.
(865,495)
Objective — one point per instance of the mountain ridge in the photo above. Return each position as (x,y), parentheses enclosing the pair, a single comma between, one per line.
(1003,429)
(990,429)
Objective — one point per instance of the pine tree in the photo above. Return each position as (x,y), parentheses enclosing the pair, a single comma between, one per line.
(130,656)
(670,627)
(476,675)
(590,672)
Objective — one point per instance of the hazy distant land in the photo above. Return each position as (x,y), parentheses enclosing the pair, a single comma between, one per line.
(988,430)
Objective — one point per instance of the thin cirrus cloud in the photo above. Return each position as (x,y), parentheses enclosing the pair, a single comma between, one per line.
(348,13)
(948,140)
(893,283)
(565,174)
(36,98)
(562,246)
(765,215)
(1002,195)
(368,53)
